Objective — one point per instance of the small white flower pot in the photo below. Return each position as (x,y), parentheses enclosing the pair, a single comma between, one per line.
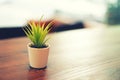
(38,57)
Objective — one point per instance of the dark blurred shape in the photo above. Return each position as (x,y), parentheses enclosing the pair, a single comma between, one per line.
(64,27)
(57,26)
(6,33)
(60,26)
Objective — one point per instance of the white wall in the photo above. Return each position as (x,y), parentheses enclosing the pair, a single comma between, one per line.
(17,12)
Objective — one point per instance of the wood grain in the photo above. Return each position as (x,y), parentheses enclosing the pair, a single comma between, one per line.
(87,54)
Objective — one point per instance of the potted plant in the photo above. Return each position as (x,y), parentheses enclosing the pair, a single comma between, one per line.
(38,49)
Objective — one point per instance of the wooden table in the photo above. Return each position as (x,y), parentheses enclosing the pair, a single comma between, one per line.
(86,54)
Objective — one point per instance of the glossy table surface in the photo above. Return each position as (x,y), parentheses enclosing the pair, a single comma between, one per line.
(84,54)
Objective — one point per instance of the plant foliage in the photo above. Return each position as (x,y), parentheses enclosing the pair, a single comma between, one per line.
(113,13)
(37,32)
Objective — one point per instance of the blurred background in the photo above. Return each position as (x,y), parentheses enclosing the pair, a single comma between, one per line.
(67,14)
